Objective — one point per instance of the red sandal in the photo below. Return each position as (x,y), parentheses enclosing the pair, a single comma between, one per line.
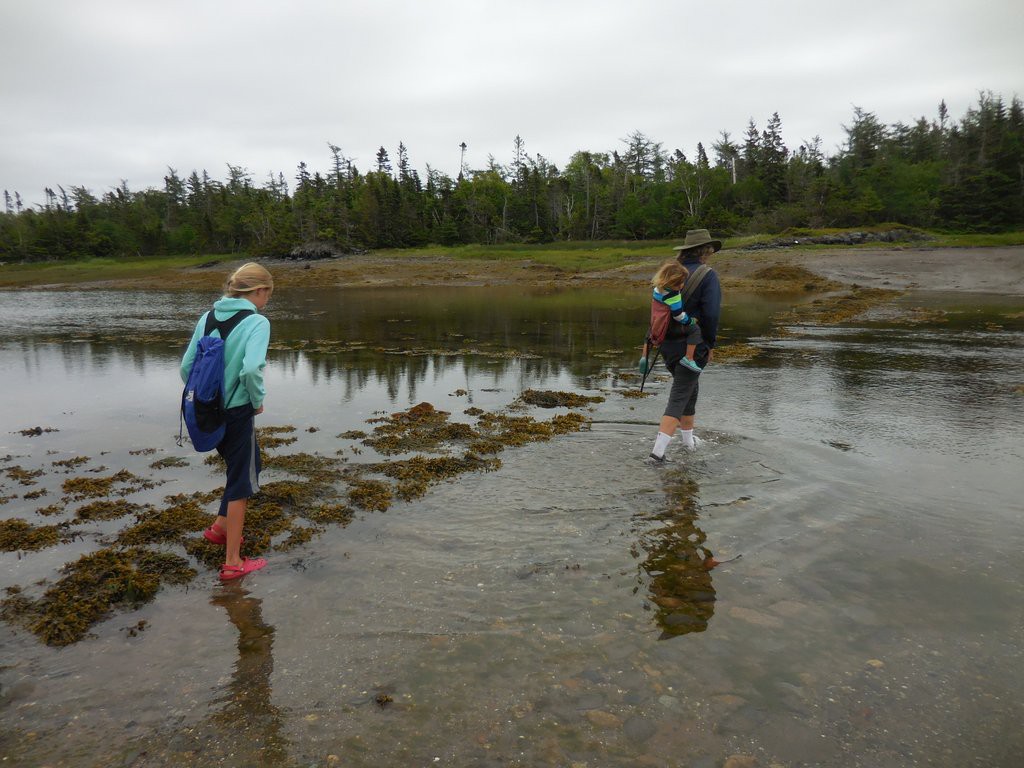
(228,572)
(216,535)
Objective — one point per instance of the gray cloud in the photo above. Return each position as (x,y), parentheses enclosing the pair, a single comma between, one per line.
(114,90)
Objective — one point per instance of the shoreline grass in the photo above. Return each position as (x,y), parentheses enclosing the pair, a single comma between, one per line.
(63,271)
(569,257)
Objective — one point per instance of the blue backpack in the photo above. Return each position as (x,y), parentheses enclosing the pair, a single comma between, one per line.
(203,404)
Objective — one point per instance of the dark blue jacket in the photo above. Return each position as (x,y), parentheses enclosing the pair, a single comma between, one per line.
(706,303)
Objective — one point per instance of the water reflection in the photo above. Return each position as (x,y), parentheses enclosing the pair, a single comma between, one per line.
(677,569)
(351,340)
(249,722)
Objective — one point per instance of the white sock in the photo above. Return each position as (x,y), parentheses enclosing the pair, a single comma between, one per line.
(687,435)
(660,444)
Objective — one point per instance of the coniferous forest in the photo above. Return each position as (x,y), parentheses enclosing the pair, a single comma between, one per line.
(963,175)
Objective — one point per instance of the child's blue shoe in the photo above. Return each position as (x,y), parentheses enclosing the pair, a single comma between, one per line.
(691,365)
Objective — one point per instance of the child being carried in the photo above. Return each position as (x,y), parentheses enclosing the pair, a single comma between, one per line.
(667,283)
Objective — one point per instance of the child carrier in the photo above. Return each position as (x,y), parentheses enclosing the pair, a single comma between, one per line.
(661,318)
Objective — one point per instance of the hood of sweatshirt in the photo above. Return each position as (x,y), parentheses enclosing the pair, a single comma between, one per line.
(228,305)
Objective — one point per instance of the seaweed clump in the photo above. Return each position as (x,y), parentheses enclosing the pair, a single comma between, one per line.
(735,353)
(547,398)
(796,277)
(499,430)
(318,468)
(371,494)
(71,463)
(36,431)
(91,588)
(169,461)
(20,535)
(832,310)
(184,515)
(635,394)
(299,535)
(269,438)
(339,514)
(417,474)
(96,487)
(106,509)
(23,476)
(421,428)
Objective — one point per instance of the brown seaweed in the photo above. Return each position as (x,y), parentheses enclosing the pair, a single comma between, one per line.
(106,509)
(20,535)
(421,428)
(168,462)
(547,398)
(371,494)
(95,487)
(23,476)
(290,512)
(91,588)
(72,463)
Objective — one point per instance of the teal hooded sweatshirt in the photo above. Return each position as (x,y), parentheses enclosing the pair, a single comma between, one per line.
(245,353)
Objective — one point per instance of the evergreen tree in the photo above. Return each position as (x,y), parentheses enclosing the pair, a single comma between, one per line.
(383,162)
(773,156)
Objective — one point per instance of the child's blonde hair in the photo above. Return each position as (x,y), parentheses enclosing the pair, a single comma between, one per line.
(248,278)
(670,275)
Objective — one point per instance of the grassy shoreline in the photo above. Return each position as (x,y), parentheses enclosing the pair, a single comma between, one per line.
(545,261)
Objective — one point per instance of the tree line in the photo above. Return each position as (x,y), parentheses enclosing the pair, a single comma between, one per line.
(965,175)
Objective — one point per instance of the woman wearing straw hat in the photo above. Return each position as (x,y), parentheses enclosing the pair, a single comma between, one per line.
(703,300)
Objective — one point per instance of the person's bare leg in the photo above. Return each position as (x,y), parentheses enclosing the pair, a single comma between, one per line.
(235,522)
(691,349)
(220,523)
(669,423)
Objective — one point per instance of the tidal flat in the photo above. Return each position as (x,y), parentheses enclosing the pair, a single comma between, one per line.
(470,564)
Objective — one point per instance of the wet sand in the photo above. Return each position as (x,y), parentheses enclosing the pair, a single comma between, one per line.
(971,270)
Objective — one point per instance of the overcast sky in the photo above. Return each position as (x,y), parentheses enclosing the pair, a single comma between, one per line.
(95,91)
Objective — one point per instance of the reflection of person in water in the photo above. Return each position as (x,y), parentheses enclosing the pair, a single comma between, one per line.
(249,715)
(678,565)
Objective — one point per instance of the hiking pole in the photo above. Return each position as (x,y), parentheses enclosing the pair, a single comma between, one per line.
(649,367)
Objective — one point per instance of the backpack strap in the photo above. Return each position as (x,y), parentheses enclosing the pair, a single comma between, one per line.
(224,326)
(694,280)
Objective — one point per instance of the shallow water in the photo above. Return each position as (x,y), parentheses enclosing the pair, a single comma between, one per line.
(558,611)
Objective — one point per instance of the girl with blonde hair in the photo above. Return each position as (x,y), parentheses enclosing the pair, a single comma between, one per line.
(236,318)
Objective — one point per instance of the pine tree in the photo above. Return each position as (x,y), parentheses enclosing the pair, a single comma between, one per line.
(383,162)
(773,156)
(404,172)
